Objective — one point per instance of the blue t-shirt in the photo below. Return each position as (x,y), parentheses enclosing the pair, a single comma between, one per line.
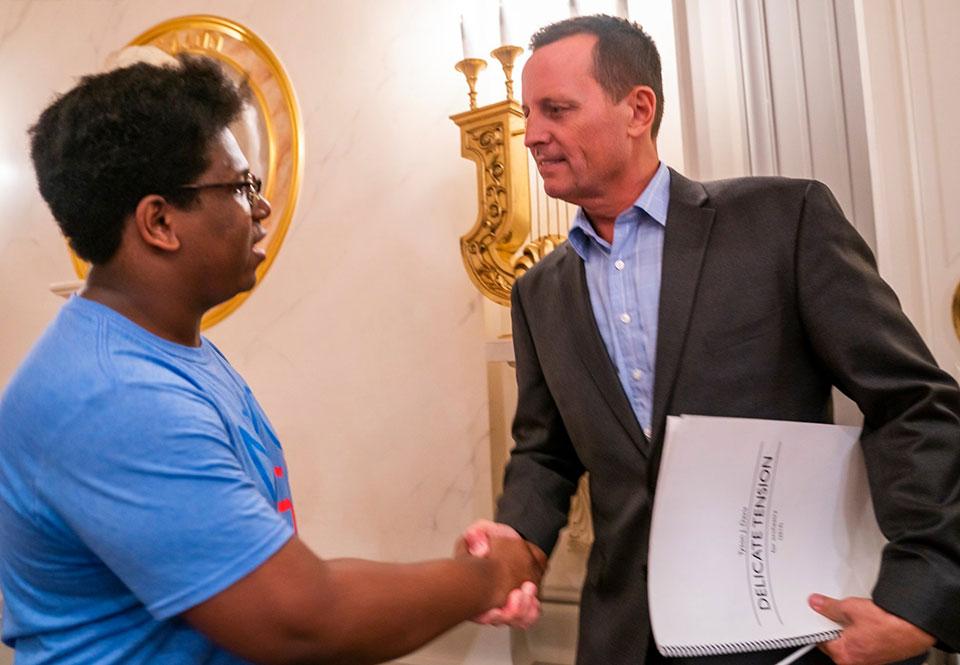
(138,478)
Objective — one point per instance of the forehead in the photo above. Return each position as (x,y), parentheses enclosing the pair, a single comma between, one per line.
(225,155)
(565,62)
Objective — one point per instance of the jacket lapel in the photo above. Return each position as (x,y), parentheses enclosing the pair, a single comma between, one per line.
(591,349)
(685,243)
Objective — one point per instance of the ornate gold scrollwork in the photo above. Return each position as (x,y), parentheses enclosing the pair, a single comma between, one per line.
(535,250)
(492,137)
(495,251)
(580,524)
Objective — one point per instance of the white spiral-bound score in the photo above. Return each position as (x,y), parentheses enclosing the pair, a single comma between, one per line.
(750,517)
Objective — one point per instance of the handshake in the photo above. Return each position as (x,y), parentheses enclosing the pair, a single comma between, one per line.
(521,567)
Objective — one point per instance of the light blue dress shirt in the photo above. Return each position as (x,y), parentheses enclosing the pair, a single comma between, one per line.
(624,283)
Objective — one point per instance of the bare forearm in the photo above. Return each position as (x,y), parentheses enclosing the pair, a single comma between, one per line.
(297,608)
(377,611)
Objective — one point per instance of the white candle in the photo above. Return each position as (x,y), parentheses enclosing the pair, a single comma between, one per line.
(469,45)
(506,37)
(622,10)
(574,8)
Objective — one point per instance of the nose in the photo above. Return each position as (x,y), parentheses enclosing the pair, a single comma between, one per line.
(261,209)
(535,133)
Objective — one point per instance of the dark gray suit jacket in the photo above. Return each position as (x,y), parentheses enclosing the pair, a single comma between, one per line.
(769,298)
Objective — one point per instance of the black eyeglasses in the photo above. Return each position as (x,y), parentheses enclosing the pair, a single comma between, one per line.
(250,185)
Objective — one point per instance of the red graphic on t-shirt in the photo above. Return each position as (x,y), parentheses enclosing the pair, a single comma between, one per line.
(285,505)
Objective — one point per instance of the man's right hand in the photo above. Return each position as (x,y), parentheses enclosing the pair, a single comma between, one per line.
(484,538)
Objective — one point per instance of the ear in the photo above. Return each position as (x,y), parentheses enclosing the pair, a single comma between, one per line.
(643,108)
(153,225)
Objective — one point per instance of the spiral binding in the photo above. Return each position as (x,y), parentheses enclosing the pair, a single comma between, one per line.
(741,647)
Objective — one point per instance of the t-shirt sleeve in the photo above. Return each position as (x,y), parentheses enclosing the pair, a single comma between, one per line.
(153,486)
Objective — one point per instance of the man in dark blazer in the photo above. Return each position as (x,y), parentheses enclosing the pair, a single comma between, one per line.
(750,297)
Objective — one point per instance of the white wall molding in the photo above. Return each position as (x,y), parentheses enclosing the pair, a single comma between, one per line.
(772,87)
(711,87)
(757,92)
(908,59)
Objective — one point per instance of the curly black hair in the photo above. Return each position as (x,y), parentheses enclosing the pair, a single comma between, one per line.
(625,56)
(121,135)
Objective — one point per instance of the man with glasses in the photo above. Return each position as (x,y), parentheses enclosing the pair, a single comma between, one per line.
(145,509)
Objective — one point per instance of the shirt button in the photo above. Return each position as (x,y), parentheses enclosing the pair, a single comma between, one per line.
(637,375)
(625,317)
(619,264)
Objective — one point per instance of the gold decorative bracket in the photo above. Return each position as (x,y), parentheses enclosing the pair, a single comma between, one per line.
(492,137)
(496,251)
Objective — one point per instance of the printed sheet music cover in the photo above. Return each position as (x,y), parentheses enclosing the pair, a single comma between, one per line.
(750,517)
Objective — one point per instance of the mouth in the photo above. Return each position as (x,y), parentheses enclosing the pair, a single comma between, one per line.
(259,250)
(259,253)
(547,164)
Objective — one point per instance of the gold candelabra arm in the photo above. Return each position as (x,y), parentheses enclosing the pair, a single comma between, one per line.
(507,55)
(470,68)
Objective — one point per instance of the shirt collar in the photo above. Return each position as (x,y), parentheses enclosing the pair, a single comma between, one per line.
(653,202)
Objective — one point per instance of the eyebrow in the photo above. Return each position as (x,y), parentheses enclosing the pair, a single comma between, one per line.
(558,101)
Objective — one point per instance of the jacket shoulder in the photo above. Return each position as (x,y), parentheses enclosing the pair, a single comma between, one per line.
(758,189)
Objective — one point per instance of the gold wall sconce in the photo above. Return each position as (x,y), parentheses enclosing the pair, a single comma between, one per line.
(503,244)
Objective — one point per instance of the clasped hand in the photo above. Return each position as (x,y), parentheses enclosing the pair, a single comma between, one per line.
(522,607)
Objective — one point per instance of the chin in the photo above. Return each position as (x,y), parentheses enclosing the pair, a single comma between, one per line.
(559,188)
(242,287)
(554,189)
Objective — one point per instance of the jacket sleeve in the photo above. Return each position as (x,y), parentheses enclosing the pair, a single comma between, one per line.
(544,468)
(911,432)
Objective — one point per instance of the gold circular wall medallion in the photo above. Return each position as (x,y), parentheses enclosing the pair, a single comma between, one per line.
(956,311)
(271,136)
